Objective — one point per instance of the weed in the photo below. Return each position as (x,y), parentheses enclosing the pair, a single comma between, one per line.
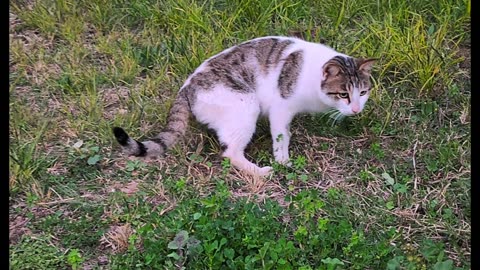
(74,258)
(31,251)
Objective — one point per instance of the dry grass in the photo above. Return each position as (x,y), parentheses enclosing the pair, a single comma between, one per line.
(117,238)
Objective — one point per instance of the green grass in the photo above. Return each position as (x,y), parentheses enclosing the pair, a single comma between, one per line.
(388,189)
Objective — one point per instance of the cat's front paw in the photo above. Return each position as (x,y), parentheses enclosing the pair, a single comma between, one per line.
(284,161)
(282,156)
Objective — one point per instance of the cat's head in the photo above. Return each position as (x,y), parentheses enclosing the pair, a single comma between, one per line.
(346,83)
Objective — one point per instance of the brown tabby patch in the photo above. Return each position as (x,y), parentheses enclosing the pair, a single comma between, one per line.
(289,75)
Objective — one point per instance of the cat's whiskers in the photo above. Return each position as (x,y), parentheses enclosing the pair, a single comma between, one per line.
(328,113)
(340,116)
(335,116)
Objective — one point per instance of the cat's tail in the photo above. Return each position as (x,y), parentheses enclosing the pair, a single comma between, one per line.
(177,123)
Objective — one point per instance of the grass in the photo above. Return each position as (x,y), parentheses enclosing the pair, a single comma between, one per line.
(388,189)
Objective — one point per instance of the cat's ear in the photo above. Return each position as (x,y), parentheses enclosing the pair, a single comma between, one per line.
(331,69)
(366,65)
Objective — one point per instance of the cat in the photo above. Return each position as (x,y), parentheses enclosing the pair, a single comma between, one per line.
(274,76)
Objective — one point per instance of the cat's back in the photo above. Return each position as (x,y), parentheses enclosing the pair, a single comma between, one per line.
(263,52)
(267,53)
(240,67)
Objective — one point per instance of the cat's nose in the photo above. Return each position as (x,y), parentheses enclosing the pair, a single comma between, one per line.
(355,108)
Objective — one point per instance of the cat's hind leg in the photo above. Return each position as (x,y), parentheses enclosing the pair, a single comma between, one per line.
(237,159)
(235,134)
(234,119)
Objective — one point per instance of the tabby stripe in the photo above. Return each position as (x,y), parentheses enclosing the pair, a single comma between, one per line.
(348,67)
(171,130)
(160,142)
(272,49)
(284,46)
(236,84)
(248,77)
(289,74)
(177,119)
(141,148)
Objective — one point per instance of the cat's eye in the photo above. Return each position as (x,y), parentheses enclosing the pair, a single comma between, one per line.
(363,93)
(343,95)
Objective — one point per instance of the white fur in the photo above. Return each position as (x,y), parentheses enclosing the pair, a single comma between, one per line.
(234,115)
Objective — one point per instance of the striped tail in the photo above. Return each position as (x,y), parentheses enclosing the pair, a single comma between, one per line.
(177,123)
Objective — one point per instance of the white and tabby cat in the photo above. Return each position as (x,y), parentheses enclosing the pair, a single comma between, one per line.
(276,77)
